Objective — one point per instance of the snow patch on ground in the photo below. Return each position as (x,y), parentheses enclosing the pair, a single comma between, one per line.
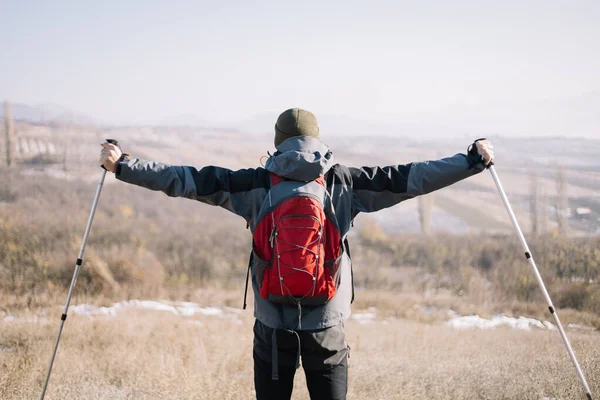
(369,316)
(182,308)
(365,317)
(362,317)
(477,322)
(31,320)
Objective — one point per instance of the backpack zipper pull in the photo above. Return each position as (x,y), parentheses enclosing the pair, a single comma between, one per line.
(272,238)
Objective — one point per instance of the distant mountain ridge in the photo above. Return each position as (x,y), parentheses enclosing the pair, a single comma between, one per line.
(574,116)
(47,113)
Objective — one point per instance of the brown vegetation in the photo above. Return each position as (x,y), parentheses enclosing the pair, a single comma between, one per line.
(151,355)
(144,245)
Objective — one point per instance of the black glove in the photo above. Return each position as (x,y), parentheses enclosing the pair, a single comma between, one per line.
(475,159)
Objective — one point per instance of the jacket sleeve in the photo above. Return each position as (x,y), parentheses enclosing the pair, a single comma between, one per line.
(237,191)
(376,188)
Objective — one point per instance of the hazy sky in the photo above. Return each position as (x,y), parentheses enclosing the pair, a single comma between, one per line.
(460,63)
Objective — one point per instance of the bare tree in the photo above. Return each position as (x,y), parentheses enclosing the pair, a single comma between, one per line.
(425,207)
(8,132)
(562,202)
(543,211)
(65,153)
(534,204)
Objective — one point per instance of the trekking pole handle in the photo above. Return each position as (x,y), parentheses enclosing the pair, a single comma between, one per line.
(491,163)
(473,147)
(116,143)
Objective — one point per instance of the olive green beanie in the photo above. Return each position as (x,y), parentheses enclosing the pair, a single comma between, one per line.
(295,122)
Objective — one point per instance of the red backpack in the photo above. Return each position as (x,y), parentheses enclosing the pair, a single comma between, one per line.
(296,247)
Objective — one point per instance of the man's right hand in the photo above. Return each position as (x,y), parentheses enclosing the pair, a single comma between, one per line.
(109,156)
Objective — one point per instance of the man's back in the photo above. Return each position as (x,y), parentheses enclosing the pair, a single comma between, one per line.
(282,332)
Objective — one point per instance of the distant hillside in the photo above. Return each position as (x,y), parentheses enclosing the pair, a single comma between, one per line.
(526,165)
(47,113)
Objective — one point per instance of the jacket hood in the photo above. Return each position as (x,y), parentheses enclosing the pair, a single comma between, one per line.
(301,158)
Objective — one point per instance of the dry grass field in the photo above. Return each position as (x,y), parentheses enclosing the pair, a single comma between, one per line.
(145,246)
(144,354)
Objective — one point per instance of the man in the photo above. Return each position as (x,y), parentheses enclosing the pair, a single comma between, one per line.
(284,332)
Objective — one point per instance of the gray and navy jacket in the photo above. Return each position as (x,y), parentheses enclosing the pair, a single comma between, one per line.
(350,192)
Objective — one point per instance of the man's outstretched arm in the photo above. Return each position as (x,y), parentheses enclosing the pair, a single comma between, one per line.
(376,188)
(236,191)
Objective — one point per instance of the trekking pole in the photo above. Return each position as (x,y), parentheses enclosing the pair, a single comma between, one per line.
(529,257)
(78,264)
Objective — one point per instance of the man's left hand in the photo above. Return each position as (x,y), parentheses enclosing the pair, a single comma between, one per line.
(110,156)
(485,148)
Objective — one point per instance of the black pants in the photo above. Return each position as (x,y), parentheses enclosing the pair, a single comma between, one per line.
(324,360)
